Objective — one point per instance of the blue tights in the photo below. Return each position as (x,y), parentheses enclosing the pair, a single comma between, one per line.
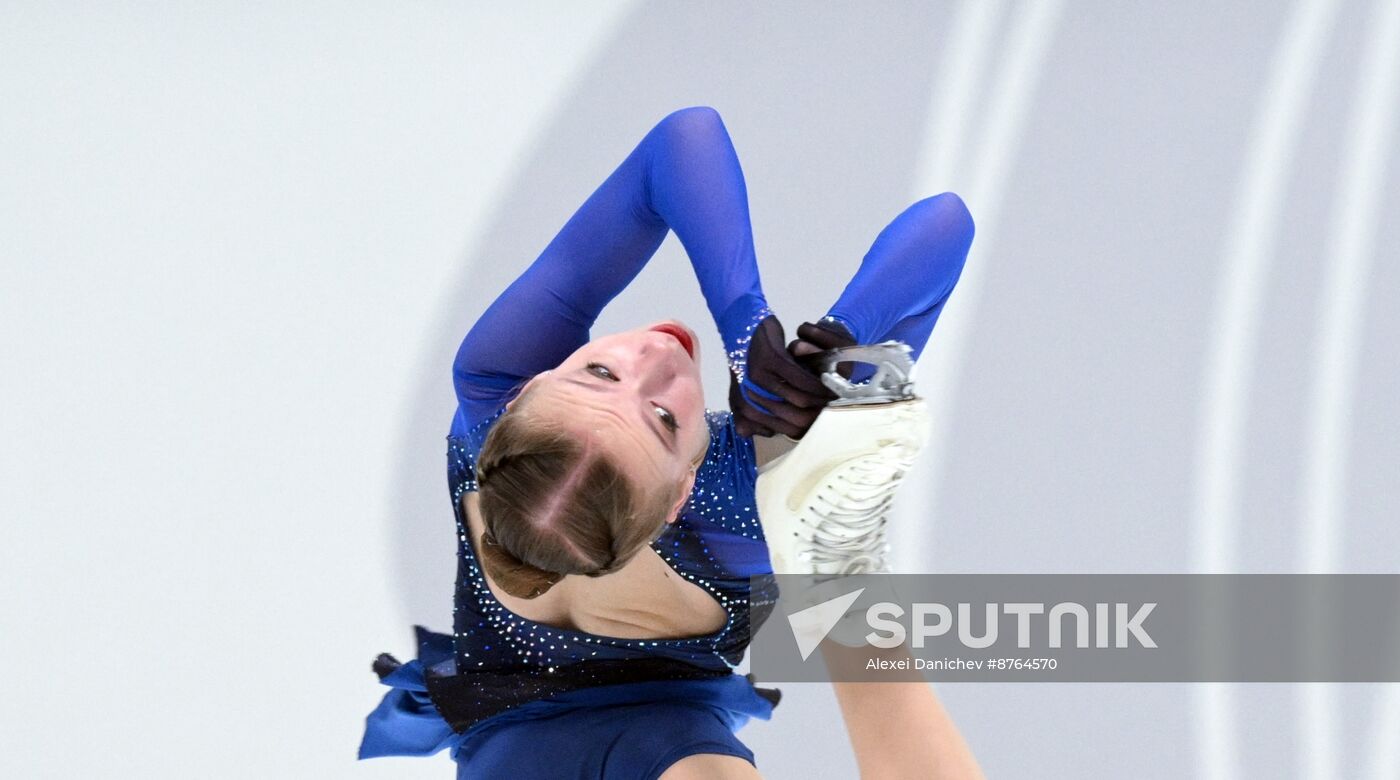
(908,274)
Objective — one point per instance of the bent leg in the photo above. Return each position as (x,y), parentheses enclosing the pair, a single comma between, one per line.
(909,272)
(900,729)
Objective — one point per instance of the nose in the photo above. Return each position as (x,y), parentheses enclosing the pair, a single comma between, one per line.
(652,363)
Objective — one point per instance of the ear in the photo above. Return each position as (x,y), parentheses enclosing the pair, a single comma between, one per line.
(687,485)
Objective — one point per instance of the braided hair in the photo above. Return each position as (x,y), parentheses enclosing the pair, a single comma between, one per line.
(553,507)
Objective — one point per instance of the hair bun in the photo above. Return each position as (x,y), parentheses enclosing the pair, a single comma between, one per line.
(513,575)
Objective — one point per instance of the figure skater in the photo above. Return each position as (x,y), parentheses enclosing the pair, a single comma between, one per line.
(608,530)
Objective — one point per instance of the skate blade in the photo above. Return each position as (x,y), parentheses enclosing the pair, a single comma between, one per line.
(890,383)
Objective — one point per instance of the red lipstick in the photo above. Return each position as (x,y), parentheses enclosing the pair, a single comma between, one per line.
(679,334)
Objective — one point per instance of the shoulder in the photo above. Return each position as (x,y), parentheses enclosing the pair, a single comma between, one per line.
(464,440)
(471,426)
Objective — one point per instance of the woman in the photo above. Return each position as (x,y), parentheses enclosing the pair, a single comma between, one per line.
(607,527)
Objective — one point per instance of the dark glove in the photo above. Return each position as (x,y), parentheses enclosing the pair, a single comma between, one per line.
(778,395)
(819,337)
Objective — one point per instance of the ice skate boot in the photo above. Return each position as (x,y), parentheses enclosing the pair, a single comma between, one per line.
(825,504)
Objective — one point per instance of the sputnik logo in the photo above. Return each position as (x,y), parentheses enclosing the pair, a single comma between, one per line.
(811,625)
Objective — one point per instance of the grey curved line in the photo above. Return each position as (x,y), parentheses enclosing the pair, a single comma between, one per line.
(1355,221)
(1247,260)
(1248,247)
(423,542)
(1356,215)
(1027,45)
(962,66)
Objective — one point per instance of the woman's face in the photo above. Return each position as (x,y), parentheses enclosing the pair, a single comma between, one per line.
(635,395)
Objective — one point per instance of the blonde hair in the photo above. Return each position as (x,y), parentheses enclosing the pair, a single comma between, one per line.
(553,507)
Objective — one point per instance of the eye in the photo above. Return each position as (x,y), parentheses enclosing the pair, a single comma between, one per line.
(667,419)
(600,370)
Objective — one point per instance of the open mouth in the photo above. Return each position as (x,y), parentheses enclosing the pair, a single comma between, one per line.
(679,334)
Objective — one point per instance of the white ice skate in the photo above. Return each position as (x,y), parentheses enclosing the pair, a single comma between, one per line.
(825,504)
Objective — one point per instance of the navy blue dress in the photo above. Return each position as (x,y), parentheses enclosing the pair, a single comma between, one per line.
(513,697)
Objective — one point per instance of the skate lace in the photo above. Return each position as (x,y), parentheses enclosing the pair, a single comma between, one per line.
(848,514)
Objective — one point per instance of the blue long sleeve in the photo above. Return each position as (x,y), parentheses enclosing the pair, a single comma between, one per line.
(684,176)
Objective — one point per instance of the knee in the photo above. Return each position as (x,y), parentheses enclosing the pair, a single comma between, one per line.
(693,123)
(945,218)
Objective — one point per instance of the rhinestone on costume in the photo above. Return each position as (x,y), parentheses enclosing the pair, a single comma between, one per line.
(738,354)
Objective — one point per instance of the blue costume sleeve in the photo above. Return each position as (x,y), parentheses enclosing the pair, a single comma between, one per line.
(684,176)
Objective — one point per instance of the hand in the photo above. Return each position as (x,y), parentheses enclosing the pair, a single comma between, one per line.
(778,395)
(813,338)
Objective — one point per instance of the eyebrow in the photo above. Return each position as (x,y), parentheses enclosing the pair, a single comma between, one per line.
(654,424)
